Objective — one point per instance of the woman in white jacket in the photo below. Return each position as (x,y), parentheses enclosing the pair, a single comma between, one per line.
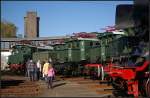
(39,69)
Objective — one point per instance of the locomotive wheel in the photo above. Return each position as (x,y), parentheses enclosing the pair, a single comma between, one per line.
(108,79)
(117,83)
(142,87)
(120,87)
(148,88)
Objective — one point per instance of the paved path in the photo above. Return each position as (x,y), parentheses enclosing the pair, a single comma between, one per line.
(65,88)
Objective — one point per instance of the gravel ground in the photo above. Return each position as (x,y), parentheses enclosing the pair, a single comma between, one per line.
(18,86)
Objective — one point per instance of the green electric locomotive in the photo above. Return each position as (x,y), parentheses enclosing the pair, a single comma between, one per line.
(20,54)
(76,52)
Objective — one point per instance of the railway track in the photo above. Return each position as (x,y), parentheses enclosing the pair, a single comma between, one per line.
(19,87)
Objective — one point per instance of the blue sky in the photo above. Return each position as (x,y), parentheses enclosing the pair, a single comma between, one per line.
(60,18)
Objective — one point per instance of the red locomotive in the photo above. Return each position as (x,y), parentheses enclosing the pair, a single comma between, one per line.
(131,80)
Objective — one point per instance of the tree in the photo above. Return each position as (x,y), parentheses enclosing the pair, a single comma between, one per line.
(8,29)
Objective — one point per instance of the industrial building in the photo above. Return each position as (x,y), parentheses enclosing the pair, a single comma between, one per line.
(31,25)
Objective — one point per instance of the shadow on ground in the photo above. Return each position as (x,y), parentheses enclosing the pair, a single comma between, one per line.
(7,83)
(56,80)
(60,84)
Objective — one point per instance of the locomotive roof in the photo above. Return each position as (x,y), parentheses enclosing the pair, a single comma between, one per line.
(33,46)
(111,33)
(23,45)
(82,39)
(35,39)
(58,44)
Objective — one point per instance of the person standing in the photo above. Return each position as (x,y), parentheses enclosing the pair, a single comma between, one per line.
(35,71)
(45,69)
(27,68)
(31,70)
(51,74)
(39,67)
(50,60)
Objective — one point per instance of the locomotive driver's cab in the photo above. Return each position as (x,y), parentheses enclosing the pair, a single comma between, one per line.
(139,55)
(136,60)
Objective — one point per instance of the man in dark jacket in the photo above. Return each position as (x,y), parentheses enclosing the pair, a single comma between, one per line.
(32,70)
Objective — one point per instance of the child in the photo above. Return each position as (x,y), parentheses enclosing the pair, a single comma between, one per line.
(51,74)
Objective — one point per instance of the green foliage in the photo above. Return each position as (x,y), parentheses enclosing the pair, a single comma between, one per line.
(8,29)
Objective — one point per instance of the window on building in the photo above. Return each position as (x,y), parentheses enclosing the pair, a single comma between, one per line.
(7,46)
(2,45)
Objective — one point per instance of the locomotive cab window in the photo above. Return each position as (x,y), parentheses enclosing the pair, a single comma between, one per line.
(91,44)
(97,43)
(70,45)
(74,45)
(77,44)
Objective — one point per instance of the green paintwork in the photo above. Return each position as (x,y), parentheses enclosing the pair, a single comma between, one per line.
(45,55)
